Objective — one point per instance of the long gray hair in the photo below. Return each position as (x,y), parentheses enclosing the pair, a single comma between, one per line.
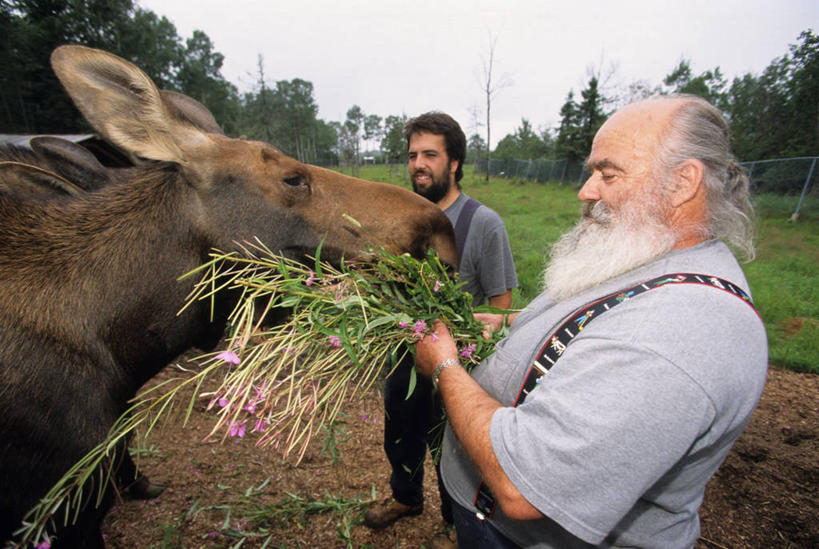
(698,130)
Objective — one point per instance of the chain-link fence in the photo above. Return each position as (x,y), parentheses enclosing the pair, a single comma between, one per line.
(791,176)
(782,176)
(542,170)
(778,176)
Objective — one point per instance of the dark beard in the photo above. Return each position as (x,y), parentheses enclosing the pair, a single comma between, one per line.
(437,188)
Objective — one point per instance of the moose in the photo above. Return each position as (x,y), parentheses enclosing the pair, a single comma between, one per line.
(89,280)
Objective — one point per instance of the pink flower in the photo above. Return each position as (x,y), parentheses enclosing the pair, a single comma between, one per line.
(402,324)
(229,356)
(434,335)
(437,286)
(237,429)
(335,342)
(260,426)
(250,407)
(420,329)
(224,401)
(45,544)
(467,351)
(310,279)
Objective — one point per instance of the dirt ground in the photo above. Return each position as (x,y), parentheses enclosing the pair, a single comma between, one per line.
(764,496)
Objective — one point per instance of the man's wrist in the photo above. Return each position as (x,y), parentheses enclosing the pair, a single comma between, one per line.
(440,368)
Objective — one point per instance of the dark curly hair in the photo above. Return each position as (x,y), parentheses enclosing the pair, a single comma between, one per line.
(439,123)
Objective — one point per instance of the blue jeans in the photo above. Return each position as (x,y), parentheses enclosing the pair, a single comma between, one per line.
(410,425)
(478,534)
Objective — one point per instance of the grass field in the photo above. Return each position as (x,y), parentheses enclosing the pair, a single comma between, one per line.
(784,278)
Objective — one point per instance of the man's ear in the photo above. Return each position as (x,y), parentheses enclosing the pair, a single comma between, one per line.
(453,166)
(690,176)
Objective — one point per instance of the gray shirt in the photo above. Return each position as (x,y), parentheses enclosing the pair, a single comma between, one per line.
(487,267)
(617,443)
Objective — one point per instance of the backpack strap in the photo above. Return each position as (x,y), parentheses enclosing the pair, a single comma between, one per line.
(554,347)
(464,222)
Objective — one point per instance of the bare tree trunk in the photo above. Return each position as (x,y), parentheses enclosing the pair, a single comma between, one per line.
(488,119)
(491,88)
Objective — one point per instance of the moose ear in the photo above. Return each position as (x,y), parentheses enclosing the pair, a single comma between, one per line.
(27,181)
(124,105)
(73,162)
(190,110)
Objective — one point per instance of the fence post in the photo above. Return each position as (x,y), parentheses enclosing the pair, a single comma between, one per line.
(795,215)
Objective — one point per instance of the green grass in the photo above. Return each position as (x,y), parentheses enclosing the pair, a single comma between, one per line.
(784,277)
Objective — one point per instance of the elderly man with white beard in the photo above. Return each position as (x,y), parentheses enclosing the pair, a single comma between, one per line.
(599,419)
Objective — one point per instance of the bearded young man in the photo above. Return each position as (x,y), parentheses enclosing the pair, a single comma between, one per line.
(620,389)
(436,147)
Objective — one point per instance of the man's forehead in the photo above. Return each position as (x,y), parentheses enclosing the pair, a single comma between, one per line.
(646,120)
(427,141)
(631,134)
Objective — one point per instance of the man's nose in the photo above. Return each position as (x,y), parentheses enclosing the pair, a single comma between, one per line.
(589,191)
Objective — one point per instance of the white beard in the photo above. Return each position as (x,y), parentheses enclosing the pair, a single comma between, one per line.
(602,246)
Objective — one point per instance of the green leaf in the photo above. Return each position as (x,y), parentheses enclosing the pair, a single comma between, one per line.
(319,272)
(384,320)
(413,380)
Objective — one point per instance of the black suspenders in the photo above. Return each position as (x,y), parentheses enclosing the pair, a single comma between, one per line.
(463,223)
(554,347)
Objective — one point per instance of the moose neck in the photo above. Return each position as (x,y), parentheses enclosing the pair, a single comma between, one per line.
(119,252)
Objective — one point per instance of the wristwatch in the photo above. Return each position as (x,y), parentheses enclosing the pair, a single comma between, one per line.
(440,368)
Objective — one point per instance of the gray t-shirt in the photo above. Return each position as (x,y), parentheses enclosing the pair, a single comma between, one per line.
(487,267)
(617,443)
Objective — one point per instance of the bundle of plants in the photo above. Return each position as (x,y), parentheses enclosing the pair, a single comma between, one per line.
(346,327)
(283,380)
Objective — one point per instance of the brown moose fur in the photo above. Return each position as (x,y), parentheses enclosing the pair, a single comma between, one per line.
(89,289)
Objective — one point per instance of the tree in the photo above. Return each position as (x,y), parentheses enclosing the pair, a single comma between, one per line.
(475,148)
(199,77)
(637,90)
(392,141)
(490,87)
(591,115)
(802,66)
(372,129)
(325,139)
(352,133)
(345,146)
(297,116)
(568,142)
(31,97)
(152,44)
(776,114)
(524,143)
(709,85)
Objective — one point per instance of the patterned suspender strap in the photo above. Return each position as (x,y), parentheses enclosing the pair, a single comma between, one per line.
(463,223)
(554,347)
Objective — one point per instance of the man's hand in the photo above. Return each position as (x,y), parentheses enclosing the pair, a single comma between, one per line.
(492,322)
(469,411)
(434,349)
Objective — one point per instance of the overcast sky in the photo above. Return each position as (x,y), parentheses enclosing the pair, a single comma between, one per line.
(408,57)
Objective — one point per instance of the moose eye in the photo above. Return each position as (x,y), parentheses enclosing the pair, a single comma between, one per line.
(296,180)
